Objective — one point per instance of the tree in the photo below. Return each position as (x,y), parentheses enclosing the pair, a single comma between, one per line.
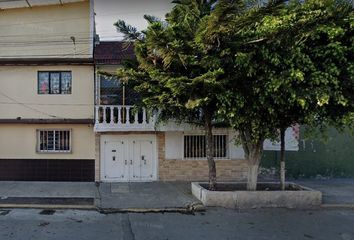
(325,47)
(173,73)
(284,63)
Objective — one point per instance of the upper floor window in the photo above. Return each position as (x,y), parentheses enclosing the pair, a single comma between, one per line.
(54,82)
(114,92)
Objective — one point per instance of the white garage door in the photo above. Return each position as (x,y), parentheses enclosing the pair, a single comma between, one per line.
(128,158)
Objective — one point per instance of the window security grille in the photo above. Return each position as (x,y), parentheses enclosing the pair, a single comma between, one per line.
(57,141)
(195,146)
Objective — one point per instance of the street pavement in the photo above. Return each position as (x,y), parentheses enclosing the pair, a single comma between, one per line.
(215,223)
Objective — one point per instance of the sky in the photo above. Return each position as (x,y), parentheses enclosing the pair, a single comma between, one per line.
(131,11)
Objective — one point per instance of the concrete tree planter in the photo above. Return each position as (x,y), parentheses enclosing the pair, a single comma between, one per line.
(295,197)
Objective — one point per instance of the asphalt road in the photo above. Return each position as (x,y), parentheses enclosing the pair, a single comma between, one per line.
(214,224)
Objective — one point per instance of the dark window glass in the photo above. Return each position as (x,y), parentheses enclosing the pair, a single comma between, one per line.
(54,82)
(66,83)
(43,83)
(113,92)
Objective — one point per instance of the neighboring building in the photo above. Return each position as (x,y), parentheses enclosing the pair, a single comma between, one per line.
(131,147)
(47,90)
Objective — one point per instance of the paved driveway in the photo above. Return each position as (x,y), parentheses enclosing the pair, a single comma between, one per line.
(153,195)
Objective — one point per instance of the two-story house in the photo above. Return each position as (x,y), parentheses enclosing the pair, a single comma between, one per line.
(131,147)
(47,90)
(60,120)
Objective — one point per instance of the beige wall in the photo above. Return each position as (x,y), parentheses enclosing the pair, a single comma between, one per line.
(174,144)
(19,84)
(197,170)
(45,31)
(19,142)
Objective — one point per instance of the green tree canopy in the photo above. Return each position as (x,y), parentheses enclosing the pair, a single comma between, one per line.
(284,63)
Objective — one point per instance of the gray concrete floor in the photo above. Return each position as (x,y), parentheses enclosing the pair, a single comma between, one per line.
(153,195)
(215,223)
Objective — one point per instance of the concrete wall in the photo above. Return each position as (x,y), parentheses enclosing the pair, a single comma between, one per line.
(46,31)
(19,141)
(19,94)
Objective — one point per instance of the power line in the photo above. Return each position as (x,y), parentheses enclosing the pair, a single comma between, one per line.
(51,34)
(79,53)
(76,18)
(28,107)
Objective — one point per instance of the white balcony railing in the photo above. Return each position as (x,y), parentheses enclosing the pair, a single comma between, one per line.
(123,118)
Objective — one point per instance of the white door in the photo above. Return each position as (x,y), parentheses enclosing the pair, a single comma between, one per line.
(129,158)
(134,161)
(146,160)
(114,166)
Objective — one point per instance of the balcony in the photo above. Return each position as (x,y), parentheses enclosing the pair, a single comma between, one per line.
(119,118)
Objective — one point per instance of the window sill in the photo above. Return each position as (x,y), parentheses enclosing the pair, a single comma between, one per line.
(54,152)
(204,159)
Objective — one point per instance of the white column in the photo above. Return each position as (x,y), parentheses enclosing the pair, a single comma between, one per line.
(112,114)
(104,115)
(144,116)
(97,114)
(119,121)
(127,109)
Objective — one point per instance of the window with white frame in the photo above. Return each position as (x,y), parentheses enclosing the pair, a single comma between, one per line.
(54,141)
(195,146)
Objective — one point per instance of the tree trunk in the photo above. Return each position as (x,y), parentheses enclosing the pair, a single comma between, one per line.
(253,153)
(282,159)
(254,159)
(209,143)
(252,177)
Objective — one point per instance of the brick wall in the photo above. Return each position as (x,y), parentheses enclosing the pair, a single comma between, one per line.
(197,170)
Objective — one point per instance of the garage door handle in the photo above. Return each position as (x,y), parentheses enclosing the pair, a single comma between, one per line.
(126,162)
(131,162)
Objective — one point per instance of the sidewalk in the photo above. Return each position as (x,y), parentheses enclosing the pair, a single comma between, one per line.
(139,197)
(47,194)
(106,197)
(337,191)
(147,197)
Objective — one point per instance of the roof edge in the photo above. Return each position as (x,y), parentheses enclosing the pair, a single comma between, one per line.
(46,61)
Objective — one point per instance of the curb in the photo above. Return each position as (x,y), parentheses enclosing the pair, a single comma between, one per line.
(187,210)
(333,206)
(48,206)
